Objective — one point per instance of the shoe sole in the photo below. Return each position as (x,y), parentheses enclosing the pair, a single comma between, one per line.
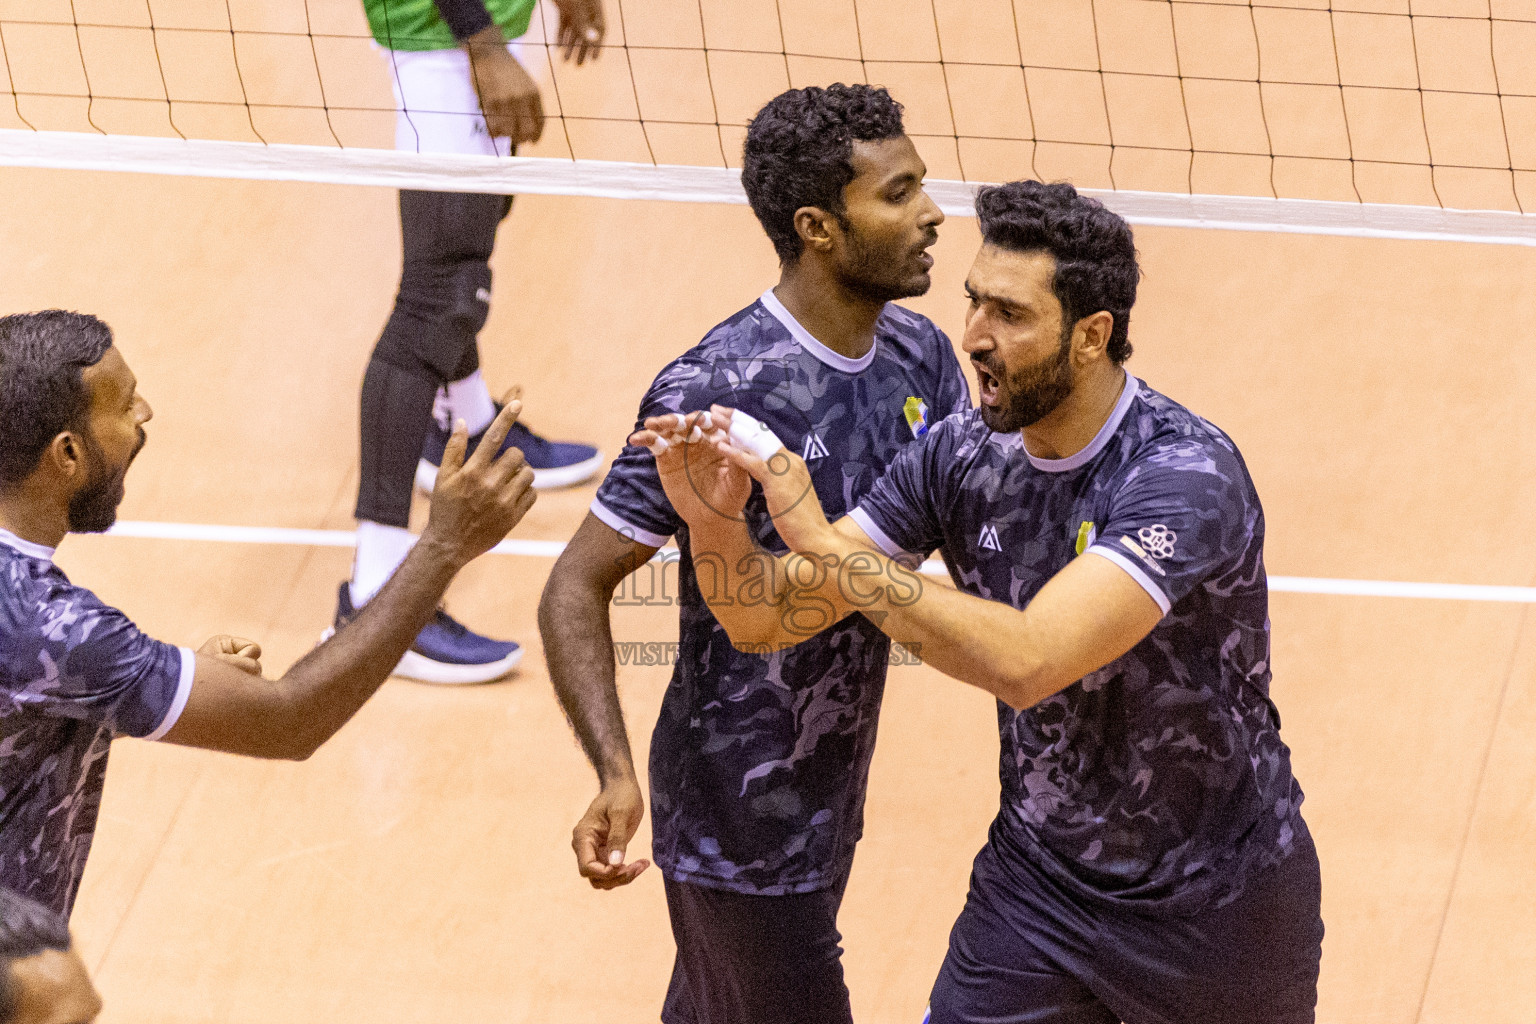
(543,479)
(422,669)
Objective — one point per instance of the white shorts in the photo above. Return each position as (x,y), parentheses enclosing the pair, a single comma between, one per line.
(437,110)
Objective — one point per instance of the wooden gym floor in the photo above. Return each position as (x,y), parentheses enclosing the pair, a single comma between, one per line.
(417,869)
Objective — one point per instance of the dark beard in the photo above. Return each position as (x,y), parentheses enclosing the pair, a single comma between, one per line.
(93,508)
(1031,392)
(867,273)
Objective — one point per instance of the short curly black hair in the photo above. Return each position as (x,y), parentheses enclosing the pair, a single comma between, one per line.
(799,152)
(1095,254)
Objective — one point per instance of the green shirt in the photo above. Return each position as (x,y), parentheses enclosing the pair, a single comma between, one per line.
(416,25)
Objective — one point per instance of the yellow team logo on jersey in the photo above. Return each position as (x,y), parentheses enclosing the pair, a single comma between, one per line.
(1086,535)
(916,412)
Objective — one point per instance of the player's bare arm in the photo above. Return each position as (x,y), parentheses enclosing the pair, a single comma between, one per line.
(509,96)
(578,646)
(1088,615)
(752,592)
(232,708)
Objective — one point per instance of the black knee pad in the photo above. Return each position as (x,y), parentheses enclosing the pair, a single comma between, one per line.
(438,313)
(445,283)
(468,364)
(469,296)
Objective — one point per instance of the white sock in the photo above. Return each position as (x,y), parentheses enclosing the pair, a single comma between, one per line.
(380,550)
(441,412)
(470,401)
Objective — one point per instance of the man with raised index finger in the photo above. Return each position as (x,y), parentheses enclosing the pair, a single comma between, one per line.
(75,673)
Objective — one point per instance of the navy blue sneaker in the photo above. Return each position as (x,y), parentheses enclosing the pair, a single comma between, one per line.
(554,463)
(445,651)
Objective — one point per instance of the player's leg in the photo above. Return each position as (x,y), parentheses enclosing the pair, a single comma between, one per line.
(755,959)
(467,397)
(1011,951)
(430,335)
(676,1008)
(439,112)
(1254,961)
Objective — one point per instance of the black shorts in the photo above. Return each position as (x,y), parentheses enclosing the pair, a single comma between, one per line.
(1025,949)
(755,959)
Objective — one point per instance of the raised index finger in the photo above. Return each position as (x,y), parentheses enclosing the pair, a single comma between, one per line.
(490,442)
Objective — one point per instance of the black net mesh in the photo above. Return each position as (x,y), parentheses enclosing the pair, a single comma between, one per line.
(1389,101)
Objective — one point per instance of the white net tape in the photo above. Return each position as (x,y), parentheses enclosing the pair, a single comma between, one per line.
(620,180)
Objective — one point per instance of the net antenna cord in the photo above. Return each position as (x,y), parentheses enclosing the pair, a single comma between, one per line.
(689,184)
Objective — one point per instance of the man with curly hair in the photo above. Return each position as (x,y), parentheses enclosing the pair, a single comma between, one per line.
(1149,863)
(759,764)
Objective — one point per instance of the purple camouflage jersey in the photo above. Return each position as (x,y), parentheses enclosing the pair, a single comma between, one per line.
(74,673)
(1160,780)
(759,764)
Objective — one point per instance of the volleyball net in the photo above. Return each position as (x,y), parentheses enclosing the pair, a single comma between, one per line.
(1391,118)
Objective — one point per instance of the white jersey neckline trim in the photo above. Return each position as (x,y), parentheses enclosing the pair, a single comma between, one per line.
(26,547)
(1116,417)
(833,359)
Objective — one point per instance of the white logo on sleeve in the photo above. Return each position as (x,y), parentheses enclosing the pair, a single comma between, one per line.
(1157,540)
(814,448)
(988,540)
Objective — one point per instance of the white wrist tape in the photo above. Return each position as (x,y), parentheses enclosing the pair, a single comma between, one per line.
(754,436)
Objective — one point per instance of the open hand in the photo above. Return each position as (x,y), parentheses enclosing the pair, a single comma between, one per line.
(478,500)
(244,654)
(601,836)
(701,483)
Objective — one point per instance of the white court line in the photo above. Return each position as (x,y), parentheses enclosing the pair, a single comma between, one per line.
(552,548)
(302,538)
